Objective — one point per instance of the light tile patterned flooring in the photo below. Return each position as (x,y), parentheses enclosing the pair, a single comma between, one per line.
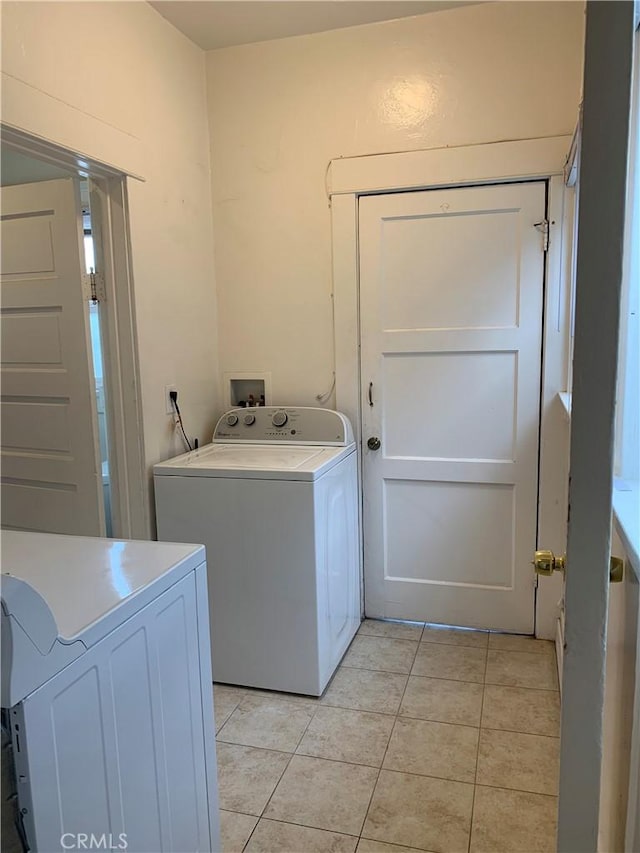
(427,738)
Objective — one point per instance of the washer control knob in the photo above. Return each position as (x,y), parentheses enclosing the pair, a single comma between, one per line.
(249,419)
(279,419)
(231,419)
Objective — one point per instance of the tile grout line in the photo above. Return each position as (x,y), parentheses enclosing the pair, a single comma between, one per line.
(306,826)
(361,710)
(248,746)
(245,845)
(397,672)
(464,681)
(251,746)
(445,722)
(286,767)
(222,725)
(275,787)
(397,717)
(397,714)
(518,790)
(266,805)
(389,770)
(306,728)
(519,731)
(475,778)
(356,838)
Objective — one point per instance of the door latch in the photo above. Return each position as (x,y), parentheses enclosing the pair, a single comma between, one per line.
(546,563)
(544,228)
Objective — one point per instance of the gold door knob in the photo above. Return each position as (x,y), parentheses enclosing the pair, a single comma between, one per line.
(546,563)
(616,570)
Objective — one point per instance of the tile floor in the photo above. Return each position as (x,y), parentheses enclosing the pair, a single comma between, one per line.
(427,739)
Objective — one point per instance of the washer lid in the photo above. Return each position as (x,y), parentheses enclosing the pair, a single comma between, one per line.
(255,461)
(71,588)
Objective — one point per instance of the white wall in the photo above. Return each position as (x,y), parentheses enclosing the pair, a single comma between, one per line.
(281,110)
(118,83)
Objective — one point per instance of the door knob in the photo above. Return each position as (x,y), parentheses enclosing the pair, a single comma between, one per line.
(546,563)
(374,443)
(616,570)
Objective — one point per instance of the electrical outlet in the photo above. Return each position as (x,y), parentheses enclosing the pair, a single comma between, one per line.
(167,399)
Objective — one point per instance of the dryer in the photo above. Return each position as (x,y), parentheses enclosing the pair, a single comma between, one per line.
(274,500)
(106,678)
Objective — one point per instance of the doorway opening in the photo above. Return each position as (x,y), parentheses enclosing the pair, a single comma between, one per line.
(103,336)
(500,164)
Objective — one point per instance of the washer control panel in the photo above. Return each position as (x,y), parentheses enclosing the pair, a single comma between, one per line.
(284,425)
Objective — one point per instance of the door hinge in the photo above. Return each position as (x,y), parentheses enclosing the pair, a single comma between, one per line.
(544,228)
(93,288)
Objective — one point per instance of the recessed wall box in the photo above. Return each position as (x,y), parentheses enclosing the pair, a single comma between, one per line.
(247,388)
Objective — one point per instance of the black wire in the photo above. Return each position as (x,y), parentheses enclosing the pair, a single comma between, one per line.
(177,408)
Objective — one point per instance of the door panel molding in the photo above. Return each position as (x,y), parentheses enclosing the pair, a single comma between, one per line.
(537,159)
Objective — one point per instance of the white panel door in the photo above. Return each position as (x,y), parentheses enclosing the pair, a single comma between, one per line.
(451,298)
(51,472)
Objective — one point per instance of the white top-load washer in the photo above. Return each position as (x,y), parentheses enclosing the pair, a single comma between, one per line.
(106,675)
(274,500)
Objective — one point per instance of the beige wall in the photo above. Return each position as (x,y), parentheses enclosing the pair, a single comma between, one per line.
(281,110)
(118,83)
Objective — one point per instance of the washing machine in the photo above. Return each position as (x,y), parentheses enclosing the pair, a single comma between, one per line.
(274,500)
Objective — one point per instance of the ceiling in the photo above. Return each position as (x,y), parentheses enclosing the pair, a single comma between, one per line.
(212,24)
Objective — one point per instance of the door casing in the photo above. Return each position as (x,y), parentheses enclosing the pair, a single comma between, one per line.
(130,507)
(502,162)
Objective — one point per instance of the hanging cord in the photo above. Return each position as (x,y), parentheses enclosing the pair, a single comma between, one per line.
(174,400)
(322,398)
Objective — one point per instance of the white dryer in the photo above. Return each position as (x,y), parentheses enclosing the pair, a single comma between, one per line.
(274,501)
(106,676)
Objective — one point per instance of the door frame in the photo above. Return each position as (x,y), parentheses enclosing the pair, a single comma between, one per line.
(472,165)
(604,159)
(122,378)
